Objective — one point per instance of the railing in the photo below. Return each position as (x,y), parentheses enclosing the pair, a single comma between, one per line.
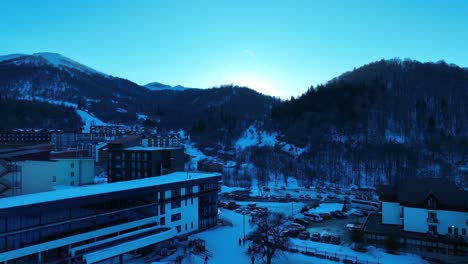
(333,256)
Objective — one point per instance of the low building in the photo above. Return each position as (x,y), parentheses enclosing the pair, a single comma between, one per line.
(425,214)
(33,169)
(109,131)
(96,223)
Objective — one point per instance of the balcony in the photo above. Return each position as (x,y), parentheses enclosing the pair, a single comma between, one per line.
(432,220)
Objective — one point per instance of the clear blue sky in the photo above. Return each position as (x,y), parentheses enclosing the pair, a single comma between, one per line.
(277,47)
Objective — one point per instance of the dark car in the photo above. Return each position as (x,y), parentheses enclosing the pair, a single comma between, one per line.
(315,237)
(291,232)
(301,221)
(319,196)
(325,216)
(232,206)
(338,214)
(335,240)
(304,235)
(222,204)
(325,239)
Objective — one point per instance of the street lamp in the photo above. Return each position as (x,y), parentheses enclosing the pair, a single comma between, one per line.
(243,220)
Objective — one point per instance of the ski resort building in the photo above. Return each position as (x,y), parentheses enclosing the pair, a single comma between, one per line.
(424,214)
(95,223)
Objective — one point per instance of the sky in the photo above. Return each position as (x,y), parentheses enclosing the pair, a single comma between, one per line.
(279,48)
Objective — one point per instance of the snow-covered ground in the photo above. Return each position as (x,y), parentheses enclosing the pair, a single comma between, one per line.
(227,189)
(327,208)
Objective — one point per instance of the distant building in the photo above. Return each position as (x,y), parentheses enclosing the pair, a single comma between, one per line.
(25,137)
(109,131)
(423,214)
(210,165)
(96,223)
(33,169)
(127,160)
(162,141)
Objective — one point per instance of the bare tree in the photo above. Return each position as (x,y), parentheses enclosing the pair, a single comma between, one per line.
(267,235)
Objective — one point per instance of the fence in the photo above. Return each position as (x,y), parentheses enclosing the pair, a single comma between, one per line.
(333,256)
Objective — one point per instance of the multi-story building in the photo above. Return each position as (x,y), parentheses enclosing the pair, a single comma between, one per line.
(96,223)
(130,163)
(25,137)
(423,214)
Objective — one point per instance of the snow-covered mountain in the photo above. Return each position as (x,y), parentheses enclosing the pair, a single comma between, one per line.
(47,58)
(156,86)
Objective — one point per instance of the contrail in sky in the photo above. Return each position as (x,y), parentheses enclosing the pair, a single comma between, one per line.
(249,52)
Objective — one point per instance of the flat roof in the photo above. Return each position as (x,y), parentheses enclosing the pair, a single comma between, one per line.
(139,148)
(43,197)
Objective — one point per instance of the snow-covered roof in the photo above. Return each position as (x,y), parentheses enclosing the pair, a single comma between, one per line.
(151,148)
(44,197)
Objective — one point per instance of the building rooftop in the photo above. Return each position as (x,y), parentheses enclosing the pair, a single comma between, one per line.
(140,148)
(415,192)
(44,197)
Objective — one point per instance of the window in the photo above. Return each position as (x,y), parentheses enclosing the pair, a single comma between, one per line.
(463,231)
(179,228)
(449,231)
(162,209)
(192,225)
(185,227)
(54,179)
(176,217)
(175,204)
(162,221)
(72,174)
(433,229)
(72,165)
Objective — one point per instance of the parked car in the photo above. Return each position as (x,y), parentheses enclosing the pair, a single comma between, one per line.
(232,205)
(239,210)
(291,232)
(353,227)
(304,235)
(245,211)
(251,205)
(283,188)
(325,239)
(296,190)
(335,240)
(301,196)
(359,213)
(288,195)
(307,196)
(313,217)
(338,214)
(298,226)
(315,237)
(302,222)
(325,216)
(266,189)
(319,196)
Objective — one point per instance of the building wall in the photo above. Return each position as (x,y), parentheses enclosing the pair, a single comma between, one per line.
(391,213)
(37,176)
(415,220)
(42,176)
(75,171)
